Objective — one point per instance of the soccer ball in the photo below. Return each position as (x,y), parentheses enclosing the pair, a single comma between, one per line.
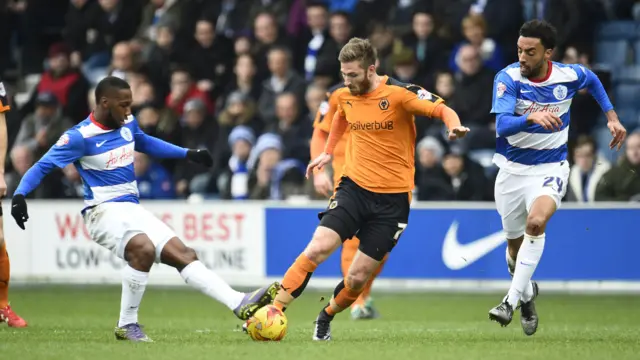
(267,324)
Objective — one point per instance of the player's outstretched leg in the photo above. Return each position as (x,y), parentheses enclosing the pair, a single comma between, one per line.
(324,242)
(345,293)
(528,258)
(176,254)
(6,313)
(140,254)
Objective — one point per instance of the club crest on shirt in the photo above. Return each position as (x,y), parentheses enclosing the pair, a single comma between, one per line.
(384,104)
(126,134)
(560,92)
(500,89)
(63,140)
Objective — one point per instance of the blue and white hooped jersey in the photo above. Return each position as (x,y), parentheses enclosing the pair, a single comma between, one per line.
(103,157)
(534,149)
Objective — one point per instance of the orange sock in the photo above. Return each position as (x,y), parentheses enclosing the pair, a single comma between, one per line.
(4,276)
(343,297)
(295,280)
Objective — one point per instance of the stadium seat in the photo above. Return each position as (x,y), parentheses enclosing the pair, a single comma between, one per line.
(628,117)
(626,96)
(627,75)
(636,52)
(617,30)
(612,52)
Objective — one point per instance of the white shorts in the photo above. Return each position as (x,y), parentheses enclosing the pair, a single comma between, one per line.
(515,195)
(113,224)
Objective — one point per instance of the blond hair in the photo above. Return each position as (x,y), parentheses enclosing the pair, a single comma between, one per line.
(358,49)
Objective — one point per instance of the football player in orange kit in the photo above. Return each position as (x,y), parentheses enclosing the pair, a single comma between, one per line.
(6,313)
(374,194)
(362,308)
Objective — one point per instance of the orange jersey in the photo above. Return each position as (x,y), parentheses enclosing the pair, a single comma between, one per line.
(380,155)
(323,121)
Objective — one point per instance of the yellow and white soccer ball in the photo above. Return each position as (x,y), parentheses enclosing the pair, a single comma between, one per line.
(267,324)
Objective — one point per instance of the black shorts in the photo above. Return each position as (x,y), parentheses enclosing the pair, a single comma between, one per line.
(377,219)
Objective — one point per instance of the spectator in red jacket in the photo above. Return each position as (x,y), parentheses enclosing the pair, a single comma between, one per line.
(184,89)
(67,84)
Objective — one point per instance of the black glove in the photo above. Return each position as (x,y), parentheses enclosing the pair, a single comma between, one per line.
(19,210)
(200,156)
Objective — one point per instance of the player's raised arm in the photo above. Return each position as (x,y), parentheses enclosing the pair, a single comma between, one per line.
(588,79)
(69,148)
(419,101)
(161,149)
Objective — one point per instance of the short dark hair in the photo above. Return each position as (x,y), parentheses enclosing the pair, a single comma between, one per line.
(542,30)
(108,84)
(586,140)
(341,13)
(316,3)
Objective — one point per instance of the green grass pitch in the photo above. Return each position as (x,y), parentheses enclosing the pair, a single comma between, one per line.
(77,323)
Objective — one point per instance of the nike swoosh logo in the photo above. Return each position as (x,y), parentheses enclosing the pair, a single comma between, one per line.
(100,143)
(458,256)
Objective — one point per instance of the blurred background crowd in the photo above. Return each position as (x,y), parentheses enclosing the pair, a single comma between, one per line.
(245,78)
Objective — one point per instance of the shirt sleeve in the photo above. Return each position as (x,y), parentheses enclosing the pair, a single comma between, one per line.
(68,148)
(156,147)
(504,94)
(418,101)
(4,104)
(327,109)
(588,79)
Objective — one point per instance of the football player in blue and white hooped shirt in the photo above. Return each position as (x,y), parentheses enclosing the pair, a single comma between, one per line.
(102,149)
(531,100)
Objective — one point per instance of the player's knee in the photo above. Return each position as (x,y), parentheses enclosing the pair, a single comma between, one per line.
(141,254)
(535,225)
(323,243)
(357,278)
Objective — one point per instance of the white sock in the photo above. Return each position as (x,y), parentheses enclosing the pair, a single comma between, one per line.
(526,263)
(527,295)
(134,283)
(209,283)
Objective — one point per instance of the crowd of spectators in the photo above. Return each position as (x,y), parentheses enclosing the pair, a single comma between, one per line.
(245,78)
